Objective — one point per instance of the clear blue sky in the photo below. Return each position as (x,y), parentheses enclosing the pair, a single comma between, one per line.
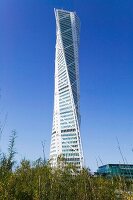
(27,48)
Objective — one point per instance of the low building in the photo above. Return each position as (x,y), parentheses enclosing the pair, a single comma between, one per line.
(109,170)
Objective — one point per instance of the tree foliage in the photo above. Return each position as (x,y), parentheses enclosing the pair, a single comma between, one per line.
(38,181)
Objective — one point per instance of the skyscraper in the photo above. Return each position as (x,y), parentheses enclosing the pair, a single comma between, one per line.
(65,139)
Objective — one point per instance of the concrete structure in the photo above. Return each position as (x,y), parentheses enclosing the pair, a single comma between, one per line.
(65,139)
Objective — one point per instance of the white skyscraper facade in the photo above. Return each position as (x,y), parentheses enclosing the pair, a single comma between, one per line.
(66,139)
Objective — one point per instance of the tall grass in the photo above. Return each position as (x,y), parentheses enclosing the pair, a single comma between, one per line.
(38,181)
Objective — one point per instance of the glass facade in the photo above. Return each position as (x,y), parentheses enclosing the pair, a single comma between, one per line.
(65,138)
(123,170)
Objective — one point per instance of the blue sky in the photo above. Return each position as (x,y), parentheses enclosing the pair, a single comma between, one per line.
(27,48)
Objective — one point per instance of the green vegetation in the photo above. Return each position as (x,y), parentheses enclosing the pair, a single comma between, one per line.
(37,181)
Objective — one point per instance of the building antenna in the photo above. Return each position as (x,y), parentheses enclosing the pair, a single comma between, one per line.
(119,148)
(97,163)
(2,126)
(100,160)
(43,149)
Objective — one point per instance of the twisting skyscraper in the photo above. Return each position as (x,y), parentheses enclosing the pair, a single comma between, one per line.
(66,140)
